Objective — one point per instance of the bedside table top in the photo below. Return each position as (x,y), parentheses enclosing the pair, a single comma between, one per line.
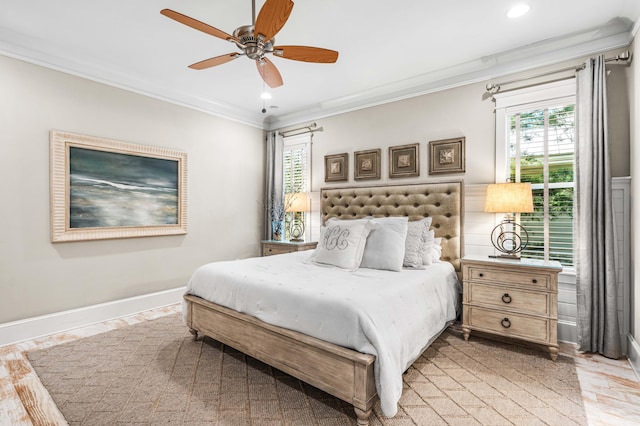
(551,264)
(288,243)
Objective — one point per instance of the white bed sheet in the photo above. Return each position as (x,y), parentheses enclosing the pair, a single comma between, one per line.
(392,315)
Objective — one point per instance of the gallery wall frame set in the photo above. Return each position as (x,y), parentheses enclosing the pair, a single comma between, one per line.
(444,156)
(104,189)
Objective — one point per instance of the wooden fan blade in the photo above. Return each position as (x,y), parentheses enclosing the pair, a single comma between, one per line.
(200,26)
(306,54)
(212,62)
(272,18)
(269,73)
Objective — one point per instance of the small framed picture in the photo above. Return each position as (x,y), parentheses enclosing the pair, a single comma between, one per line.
(446,156)
(404,161)
(336,168)
(366,164)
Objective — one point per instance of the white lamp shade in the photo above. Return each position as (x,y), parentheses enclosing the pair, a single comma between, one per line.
(509,198)
(296,202)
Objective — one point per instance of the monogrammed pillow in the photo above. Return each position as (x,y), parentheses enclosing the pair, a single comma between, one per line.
(342,243)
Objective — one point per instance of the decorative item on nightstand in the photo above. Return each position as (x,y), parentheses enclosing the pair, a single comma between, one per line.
(298,204)
(509,237)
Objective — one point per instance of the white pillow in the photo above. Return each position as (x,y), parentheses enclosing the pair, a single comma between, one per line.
(342,243)
(427,257)
(415,243)
(436,250)
(386,244)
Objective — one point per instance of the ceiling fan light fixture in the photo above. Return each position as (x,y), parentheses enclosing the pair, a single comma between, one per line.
(265,95)
(518,10)
(257,40)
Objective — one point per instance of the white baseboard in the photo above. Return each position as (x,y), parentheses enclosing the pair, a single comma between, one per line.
(31,328)
(633,353)
(568,333)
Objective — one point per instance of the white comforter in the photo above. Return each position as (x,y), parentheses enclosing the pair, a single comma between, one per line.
(392,315)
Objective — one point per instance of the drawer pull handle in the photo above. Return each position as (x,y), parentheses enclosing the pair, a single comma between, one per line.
(534,281)
(481,274)
(506,298)
(505,323)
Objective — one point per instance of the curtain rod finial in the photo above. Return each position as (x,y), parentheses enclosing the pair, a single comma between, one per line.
(492,87)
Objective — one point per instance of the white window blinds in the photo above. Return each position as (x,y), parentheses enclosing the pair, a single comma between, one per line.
(296,161)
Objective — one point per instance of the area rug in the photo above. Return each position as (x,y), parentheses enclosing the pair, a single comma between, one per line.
(155,373)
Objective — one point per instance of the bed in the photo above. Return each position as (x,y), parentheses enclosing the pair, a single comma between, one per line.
(345,373)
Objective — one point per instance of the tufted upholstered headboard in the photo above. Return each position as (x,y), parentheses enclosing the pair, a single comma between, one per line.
(443,201)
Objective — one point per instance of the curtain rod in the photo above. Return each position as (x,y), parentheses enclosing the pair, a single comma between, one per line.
(311,128)
(494,88)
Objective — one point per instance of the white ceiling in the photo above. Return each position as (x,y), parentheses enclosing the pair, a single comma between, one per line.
(388,49)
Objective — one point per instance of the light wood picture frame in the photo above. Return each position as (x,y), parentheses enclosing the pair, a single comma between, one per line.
(404,161)
(105,189)
(447,156)
(366,164)
(336,167)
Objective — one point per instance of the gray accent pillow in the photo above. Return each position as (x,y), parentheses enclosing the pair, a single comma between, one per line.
(386,244)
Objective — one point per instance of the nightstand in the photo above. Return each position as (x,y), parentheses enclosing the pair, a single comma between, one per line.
(511,298)
(271,247)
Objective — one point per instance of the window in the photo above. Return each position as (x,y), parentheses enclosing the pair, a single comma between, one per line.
(537,136)
(296,169)
(296,156)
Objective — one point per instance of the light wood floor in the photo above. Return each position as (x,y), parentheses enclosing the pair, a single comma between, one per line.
(610,388)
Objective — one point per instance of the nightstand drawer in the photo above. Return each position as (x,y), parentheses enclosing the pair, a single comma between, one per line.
(506,276)
(509,298)
(509,324)
(270,250)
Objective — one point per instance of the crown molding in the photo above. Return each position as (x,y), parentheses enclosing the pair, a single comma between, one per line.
(617,34)
(500,65)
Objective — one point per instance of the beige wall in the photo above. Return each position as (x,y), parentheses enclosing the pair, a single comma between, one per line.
(38,277)
(440,115)
(618,119)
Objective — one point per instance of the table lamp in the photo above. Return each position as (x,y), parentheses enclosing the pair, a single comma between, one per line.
(298,204)
(509,237)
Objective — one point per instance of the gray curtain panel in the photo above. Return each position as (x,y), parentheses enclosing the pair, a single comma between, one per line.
(273,178)
(594,228)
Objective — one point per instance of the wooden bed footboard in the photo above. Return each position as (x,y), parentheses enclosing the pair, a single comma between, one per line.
(341,372)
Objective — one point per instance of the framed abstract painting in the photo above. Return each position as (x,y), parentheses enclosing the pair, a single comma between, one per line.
(104,189)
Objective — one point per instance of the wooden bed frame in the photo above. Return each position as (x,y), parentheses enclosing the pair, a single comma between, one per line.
(341,372)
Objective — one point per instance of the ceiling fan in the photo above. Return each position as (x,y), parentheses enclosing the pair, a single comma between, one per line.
(257,40)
